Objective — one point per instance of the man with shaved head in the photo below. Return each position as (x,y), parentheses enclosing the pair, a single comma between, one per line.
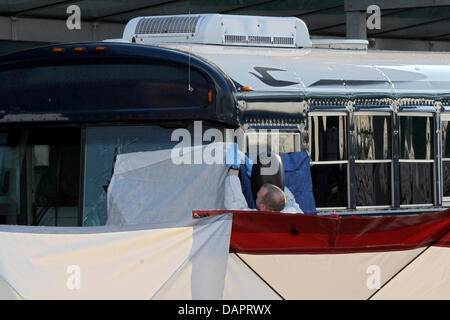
(268,198)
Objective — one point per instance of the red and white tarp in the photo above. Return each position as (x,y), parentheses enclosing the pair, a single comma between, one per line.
(233,255)
(345,257)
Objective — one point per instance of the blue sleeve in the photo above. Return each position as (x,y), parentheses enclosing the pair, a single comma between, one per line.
(247,188)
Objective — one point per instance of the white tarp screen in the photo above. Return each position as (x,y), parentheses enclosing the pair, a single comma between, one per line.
(242,283)
(148,187)
(6,292)
(156,261)
(328,276)
(427,277)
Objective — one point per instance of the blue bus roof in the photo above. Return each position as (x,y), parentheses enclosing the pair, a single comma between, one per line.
(104,82)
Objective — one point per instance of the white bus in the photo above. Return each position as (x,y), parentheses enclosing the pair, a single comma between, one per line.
(375,124)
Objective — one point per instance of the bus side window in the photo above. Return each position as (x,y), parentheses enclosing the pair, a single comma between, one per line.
(10,167)
(9,184)
(39,176)
(446,159)
(328,151)
(373,160)
(416,159)
(272,141)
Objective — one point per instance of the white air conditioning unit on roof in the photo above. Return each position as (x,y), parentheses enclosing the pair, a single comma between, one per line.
(217,29)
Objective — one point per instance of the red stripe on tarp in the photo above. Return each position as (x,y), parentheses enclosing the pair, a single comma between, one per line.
(257,232)
(444,241)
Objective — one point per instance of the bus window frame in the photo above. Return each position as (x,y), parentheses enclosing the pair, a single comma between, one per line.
(374,113)
(330,113)
(445,117)
(432,117)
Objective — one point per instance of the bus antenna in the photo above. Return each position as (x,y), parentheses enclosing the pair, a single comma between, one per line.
(190,89)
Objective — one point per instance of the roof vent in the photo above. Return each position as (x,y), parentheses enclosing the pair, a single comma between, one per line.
(283,40)
(234,38)
(233,30)
(163,25)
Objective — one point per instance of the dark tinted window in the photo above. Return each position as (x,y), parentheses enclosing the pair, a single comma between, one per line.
(40,175)
(445,139)
(446,175)
(328,138)
(102,87)
(416,138)
(330,185)
(446,156)
(373,137)
(373,184)
(416,183)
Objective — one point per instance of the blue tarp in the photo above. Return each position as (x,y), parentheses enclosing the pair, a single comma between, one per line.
(297,175)
(247,188)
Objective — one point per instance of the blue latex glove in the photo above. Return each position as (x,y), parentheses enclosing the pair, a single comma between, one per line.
(235,157)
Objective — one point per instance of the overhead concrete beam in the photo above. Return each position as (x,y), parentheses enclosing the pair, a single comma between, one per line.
(355,24)
(361,5)
(52,30)
(408,45)
(399,44)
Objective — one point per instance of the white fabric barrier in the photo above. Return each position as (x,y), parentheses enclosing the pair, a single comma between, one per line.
(330,276)
(157,261)
(153,187)
(6,292)
(427,277)
(242,283)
